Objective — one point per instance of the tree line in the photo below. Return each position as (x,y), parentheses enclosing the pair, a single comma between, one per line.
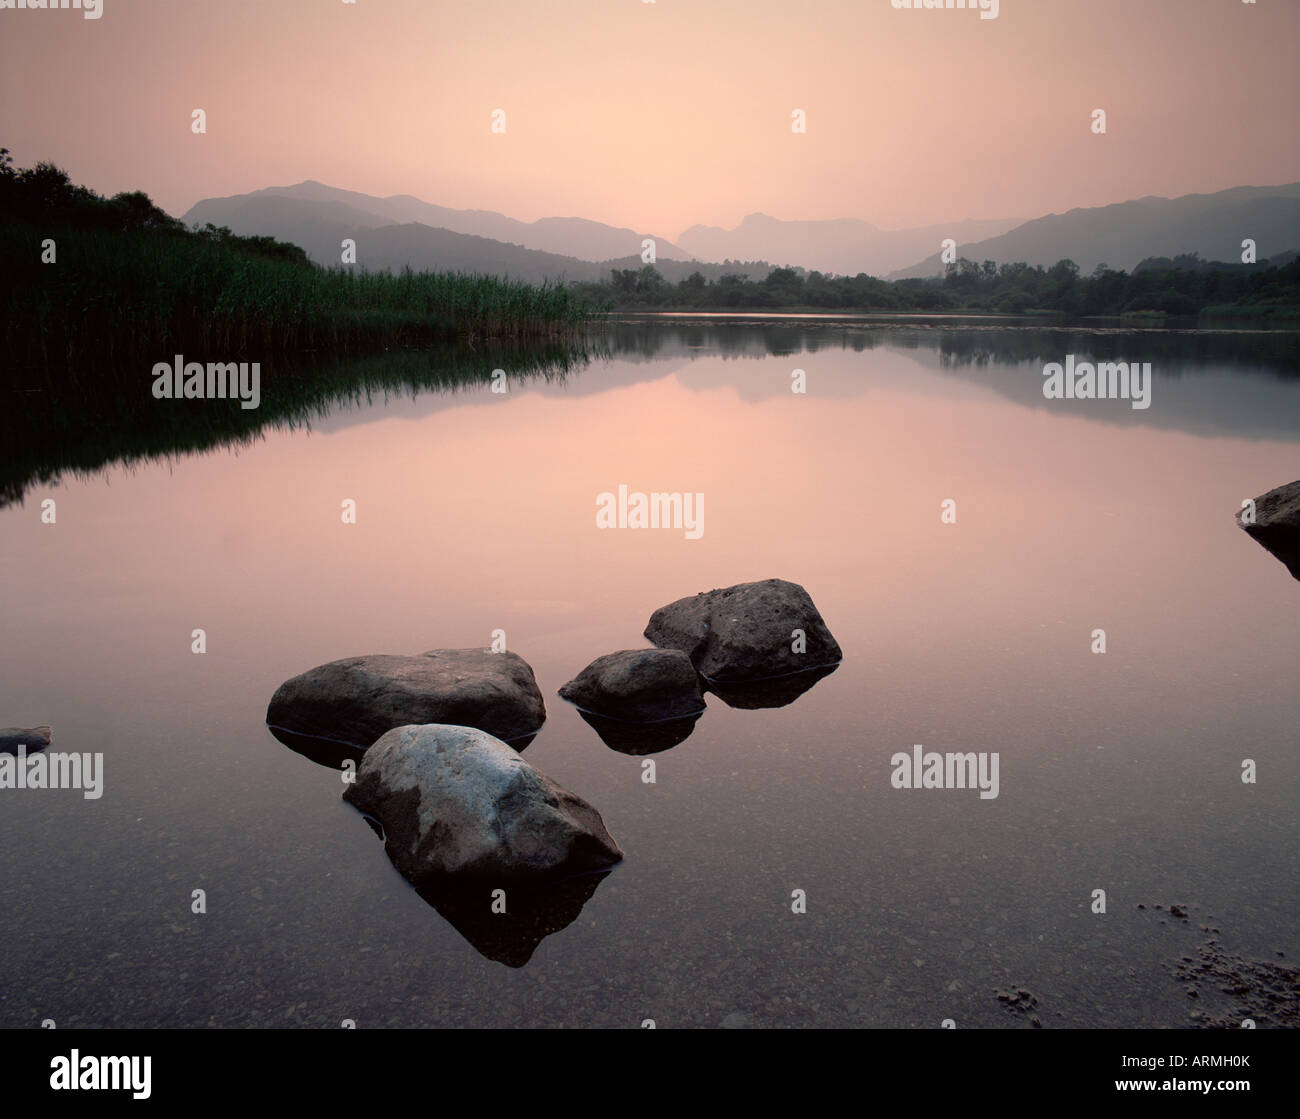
(1181,286)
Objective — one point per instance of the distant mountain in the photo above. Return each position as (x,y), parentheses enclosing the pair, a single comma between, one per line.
(571,237)
(1123,234)
(320,225)
(399,230)
(845,246)
(420,246)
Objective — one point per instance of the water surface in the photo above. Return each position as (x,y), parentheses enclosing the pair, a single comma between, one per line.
(476,512)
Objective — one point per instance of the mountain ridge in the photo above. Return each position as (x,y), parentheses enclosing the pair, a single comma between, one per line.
(1122,234)
(574,237)
(401,230)
(843,246)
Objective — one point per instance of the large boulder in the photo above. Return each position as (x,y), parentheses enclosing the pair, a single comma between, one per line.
(358,699)
(746,632)
(639,685)
(457,805)
(1277,524)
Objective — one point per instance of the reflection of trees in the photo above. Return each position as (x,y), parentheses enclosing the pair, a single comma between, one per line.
(73,427)
(1273,353)
(732,339)
(79,428)
(1168,351)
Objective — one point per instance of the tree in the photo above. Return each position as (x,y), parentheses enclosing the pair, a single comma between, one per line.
(649,280)
(137,211)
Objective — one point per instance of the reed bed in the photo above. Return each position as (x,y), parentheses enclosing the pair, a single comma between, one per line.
(115,299)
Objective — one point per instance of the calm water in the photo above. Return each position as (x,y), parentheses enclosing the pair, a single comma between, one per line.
(475,512)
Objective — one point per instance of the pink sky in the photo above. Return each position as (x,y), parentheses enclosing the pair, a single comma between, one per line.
(662,115)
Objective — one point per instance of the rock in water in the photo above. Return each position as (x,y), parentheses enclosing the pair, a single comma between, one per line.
(358,699)
(1277,524)
(639,685)
(746,632)
(34,738)
(458,805)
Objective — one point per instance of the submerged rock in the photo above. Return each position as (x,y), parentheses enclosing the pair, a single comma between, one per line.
(358,699)
(747,632)
(34,738)
(639,685)
(458,805)
(1277,524)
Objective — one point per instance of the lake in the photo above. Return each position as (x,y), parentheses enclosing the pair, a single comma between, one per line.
(475,512)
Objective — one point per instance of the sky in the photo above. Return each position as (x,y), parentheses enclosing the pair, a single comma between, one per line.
(662,115)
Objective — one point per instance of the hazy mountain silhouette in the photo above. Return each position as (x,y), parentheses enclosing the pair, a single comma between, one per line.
(320,224)
(1123,234)
(572,237)
(422,247)
(845,246)
(401,230)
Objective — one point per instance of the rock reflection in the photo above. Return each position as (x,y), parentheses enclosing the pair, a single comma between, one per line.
(333,754)
(777,691)
(532,914)
(641,738)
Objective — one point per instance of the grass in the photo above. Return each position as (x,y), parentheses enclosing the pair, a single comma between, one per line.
(119,301)
(79,337)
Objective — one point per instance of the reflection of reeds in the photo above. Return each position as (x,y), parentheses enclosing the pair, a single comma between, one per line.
(116,299)
(58,426)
